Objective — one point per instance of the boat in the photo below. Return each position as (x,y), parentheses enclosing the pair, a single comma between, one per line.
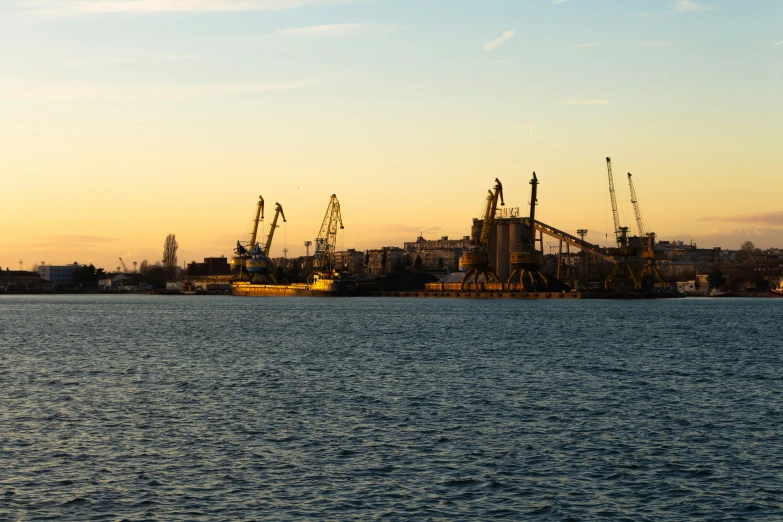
(332,284)
(778,291)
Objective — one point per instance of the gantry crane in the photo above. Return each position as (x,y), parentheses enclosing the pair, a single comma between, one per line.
(326,241)
(476,261)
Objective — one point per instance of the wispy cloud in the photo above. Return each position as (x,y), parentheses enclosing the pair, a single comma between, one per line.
(499,40)
(119,60)
(588,45)
(757,218)
(83,91)
(762,51)
(689,6)
(584,101)
(327,30)
(654,43)
(678,7)
(71,7)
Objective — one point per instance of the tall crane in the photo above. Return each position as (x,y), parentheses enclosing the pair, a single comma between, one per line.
(636,210)
(619,232)
(476,262)
(124,268)
(649,275)
(327,237)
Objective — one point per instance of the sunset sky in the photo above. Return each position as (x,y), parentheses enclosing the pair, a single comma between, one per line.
(124,120)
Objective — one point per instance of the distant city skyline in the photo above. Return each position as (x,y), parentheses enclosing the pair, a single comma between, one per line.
(125,120)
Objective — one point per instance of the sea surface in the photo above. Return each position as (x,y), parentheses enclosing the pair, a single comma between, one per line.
(230,408)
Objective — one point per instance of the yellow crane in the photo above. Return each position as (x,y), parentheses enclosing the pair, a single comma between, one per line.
(476,261)
(326,241)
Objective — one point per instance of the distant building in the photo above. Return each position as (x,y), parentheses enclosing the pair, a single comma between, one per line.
(20,279)
(351,261)
(384,260)
(59,275)
(437,254)
(210,266)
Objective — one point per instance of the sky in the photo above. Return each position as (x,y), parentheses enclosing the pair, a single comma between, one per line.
(122,121)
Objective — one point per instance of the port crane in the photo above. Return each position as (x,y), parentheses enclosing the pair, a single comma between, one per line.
(476,261)
(636,211)
(326,241)
(527,261)
(622,269)
(253,259)
(124,268)
(648,273)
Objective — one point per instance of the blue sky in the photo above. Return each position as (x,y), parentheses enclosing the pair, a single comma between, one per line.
(401,107)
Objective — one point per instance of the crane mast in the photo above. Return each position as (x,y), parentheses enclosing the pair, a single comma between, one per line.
(636,210)
(617,230)
(278,212)
(327,236)
(124,268)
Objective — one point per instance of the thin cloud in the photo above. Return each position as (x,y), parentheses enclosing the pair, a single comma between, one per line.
(499,40)
(588,45)
(118,60)
(72,7)
(82,91)
(654,43)
(584,101)
(678,7)
(689,6)
(325,30)
(757,218)
(762,51)
(555,2)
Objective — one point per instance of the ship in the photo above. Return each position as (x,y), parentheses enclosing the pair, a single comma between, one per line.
(778,291)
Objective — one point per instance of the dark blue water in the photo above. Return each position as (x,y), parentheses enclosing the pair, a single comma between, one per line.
(221,408)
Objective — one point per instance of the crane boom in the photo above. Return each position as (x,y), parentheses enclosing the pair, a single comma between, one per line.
(327,236)
(636,210)
(259,217)
(278,212)
(124,268)
(489,214)
(614,199)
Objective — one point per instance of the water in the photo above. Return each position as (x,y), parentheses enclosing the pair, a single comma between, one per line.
(221,408)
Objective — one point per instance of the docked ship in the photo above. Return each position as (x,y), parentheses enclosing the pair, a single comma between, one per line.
(778,291)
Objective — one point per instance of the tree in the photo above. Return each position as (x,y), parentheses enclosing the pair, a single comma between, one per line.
(170,247)
(715,279)
(144,266)
(441,264)
(418,265)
